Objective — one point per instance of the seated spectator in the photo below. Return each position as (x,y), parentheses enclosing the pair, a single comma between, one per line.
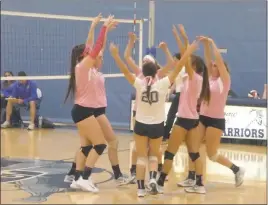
(24,94)
(254,94)
(232,94)
(6,89)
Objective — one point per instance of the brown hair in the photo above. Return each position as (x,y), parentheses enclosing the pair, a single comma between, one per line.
(149,69)
(76,57)
(201,68)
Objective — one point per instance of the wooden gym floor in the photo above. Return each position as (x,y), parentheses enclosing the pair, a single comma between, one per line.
(33,166)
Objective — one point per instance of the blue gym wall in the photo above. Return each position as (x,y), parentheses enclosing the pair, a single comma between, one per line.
(42,46)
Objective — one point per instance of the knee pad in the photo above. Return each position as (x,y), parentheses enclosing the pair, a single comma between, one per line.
(169,155)
(214,157)
(142,161)
(153,159)
(194,156)
(85,150)
(113,144)
(99,148)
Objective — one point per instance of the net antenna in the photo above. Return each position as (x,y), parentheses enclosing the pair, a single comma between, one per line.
(134,30)
(76,18)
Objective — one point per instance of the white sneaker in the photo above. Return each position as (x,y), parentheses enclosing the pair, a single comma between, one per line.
(239,177)
(160,189)
(69,178)
(186,183)
(152,186)
(31,126)
(141,193)
(6,124)
(122,180)
(132,179)
(87,185)
(196,189)
(74,185)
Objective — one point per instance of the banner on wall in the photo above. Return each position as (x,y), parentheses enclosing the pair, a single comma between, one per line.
(241,122)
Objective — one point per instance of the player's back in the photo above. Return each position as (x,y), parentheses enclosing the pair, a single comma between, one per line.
(153,113)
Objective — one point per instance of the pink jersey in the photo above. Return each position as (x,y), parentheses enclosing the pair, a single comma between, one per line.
(218,96)
(140,76)
(189,95)
(90,88)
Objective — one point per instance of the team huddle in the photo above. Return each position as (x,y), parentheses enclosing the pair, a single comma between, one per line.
(200,82)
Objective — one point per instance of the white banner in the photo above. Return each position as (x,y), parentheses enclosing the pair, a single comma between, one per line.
(241,122)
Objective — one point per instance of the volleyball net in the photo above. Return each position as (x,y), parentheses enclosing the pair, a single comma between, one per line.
(41,44)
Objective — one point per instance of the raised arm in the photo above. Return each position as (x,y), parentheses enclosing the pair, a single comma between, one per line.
(188,64)
(264,95)
(91,33)
(180,44)
(224,74)
(127,55)
(170,62)
(180,63)
(120,64)
(207,52)
(90,57)
(110,27)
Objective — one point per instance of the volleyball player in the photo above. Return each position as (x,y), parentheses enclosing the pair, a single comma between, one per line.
(162,71)
(99,114)
(195,86)
(150,116)
(212,122)
(87,86)
(177,86)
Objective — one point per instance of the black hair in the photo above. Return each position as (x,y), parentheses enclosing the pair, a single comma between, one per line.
(177,55)
(22,73)
(201,68)
(149,69)
(10,72)
(76,57)
(6,83)
(157,66)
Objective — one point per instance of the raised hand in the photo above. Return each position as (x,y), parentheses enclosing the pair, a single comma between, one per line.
(96,20)
(162,45)
(174,30)
(114,50)
(204,39)
(194,46)
(132,36)
(182,30)
(108,20)
(112,25)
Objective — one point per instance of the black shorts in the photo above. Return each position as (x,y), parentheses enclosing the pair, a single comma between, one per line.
(186,123)
(212,122)
(134,113)
(152,131)
(80,113)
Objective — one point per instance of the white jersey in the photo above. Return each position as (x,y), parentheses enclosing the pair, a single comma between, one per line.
(154,113)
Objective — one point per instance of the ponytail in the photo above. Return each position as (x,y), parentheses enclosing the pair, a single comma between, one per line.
(76,57)
(148,90)
(71,86)
(205,92)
